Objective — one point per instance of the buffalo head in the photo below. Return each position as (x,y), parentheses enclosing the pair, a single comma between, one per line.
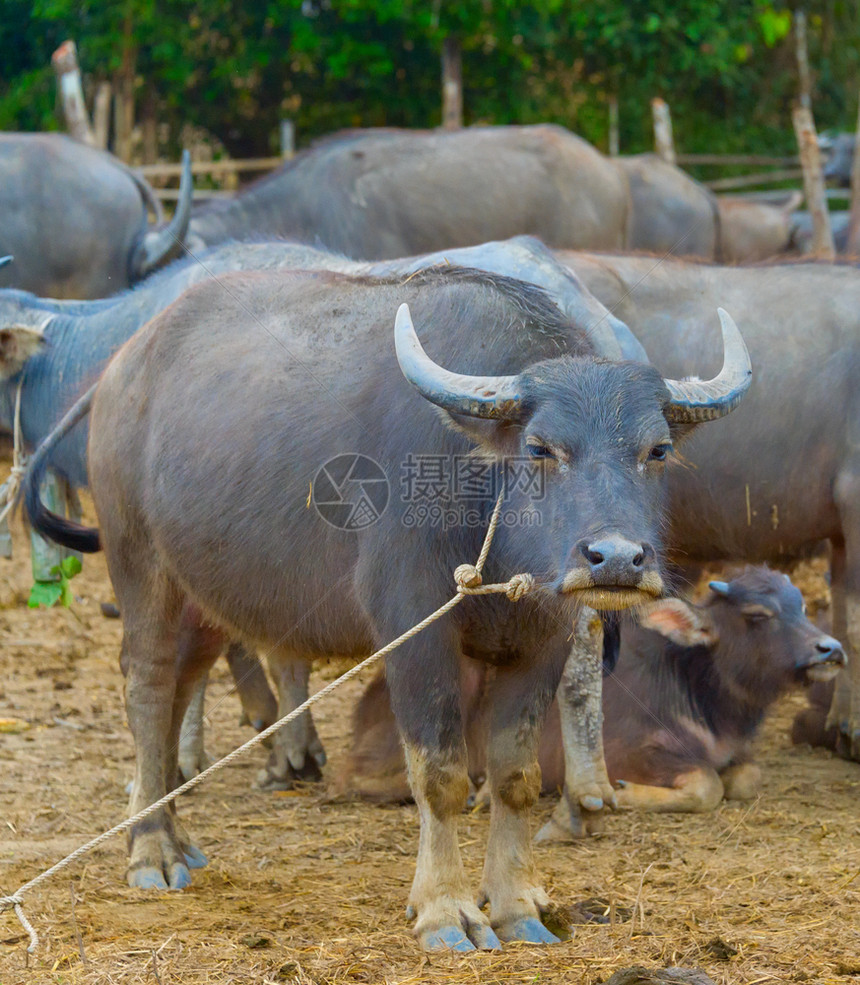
(600,433)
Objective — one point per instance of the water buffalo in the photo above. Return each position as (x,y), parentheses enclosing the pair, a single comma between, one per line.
(680,711)
(377,194)
(249,391)
(783,474)
(75,218)
(752,231)
(838,151)
(670,212)
(82,336)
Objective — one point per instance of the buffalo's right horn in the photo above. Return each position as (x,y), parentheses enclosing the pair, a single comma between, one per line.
(476,396)
(694,401)
(159,246)
(4,261)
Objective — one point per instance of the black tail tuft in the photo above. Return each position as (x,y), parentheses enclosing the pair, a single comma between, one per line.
(50,525)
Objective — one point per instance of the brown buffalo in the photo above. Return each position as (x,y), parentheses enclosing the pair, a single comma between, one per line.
(681,709)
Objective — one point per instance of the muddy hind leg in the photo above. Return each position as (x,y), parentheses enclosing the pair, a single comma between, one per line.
(151,613)
(297,753)
(198,647)
(193,758)
(518,702)
(587,790)
(259,706)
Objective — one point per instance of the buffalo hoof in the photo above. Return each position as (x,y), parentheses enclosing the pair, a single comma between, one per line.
(192,762)
(476,937)
(528,929)
(194,857)
(110,611)
(149,877)
(848,743)
(279,774)
(565,826)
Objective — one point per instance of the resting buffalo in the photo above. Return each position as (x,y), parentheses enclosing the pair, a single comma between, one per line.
(390,193)
(202,498)
(838,151)
(680,711)
(752,231)
(783,474)
(75,218)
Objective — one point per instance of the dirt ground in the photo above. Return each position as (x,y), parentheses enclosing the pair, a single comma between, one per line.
(300,889)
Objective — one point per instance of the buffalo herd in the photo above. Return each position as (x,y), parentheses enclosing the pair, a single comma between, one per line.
(296,408)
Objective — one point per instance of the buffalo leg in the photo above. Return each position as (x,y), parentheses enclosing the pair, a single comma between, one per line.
(695,792)
(518,702)
(198,648)
(259,705)
(151,629)
(844,713)
(587,790)
(193,758)
(423,679)
(297,753)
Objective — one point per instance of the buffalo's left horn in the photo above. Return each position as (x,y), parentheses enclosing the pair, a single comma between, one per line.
(476,396)
(693,401)
(158,246)
(5,260)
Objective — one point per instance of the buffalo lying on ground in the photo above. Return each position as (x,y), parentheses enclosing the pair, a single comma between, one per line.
(240,404)
(680,710)
(75,218)
(374,194)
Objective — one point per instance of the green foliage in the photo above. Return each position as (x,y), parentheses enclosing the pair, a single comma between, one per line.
(48,593)
(726,67)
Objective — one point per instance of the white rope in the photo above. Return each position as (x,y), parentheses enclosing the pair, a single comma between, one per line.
(468,581)
(19,462)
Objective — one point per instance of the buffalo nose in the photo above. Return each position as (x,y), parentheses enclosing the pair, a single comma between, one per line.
(830,649)
(615,556)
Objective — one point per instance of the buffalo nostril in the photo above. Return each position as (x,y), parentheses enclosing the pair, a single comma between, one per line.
(639,560)
(593,556)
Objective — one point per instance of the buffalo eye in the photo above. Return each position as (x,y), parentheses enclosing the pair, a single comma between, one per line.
(659,453)
(757,613)
(537,450)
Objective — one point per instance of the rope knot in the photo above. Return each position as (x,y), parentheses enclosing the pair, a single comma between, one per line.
(7,902)
(467,576)
(519,586)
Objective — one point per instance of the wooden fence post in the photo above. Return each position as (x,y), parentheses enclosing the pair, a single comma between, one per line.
(288,139)
(65,62)
(614,142)
(452,84)
(813,183)
(663,142)
(853,244)
(101,114)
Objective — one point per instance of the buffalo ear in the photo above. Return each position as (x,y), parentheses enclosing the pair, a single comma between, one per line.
(17,344)
(679,622)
